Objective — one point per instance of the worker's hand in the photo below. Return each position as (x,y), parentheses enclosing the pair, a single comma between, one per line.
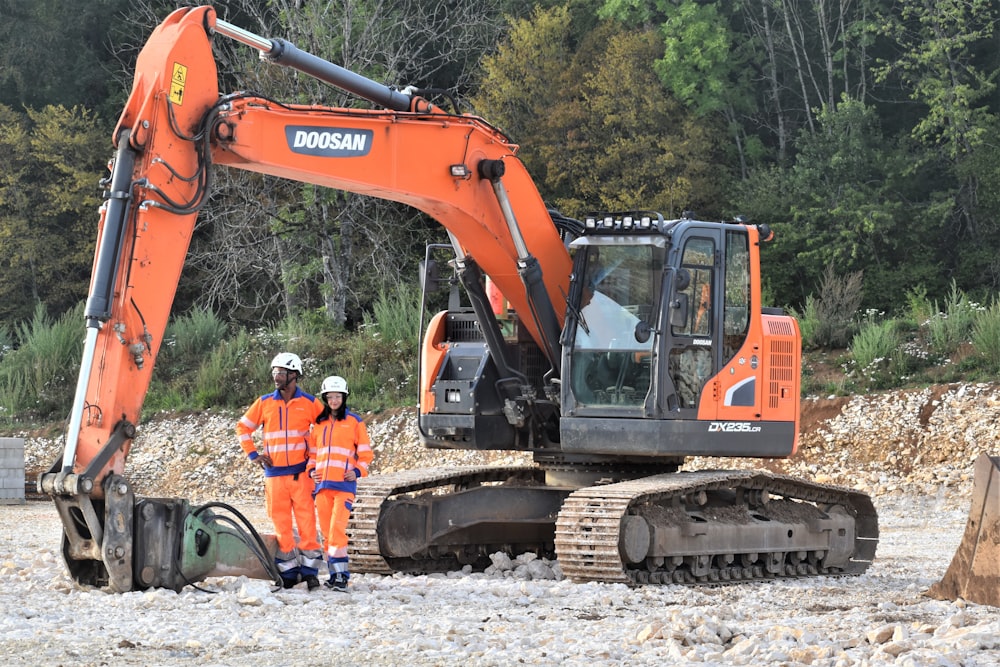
(264,460)
(312,473)
(350,475)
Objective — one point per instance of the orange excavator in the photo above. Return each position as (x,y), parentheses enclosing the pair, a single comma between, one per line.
(621,344)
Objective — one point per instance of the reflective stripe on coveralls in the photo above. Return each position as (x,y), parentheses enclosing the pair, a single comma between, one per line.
(286,426)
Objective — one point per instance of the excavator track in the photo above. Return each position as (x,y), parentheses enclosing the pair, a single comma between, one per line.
(687,528)
(364,550)
(598,524)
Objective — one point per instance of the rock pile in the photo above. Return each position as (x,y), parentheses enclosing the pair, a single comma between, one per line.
(919,441)
(197,457)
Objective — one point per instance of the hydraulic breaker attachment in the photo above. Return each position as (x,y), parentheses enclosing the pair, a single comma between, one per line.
(974,573)
(132,543)
(176,545)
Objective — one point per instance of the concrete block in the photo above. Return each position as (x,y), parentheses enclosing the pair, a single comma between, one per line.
(11,471)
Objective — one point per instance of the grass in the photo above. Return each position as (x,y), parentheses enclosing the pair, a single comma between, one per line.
(926,343)
(206,363)
(40,370)
(986,337)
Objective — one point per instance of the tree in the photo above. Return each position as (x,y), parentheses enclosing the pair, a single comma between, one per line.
(524,78)
(55,52)
(848,201)
(588,145)
(298,247)
(50,162)
(766,65)
(939,61)
(643,149)
(977,264)
(703,64)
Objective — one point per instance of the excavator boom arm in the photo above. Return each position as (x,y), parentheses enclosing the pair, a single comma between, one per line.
(432,162)
(175,126)
(456,168)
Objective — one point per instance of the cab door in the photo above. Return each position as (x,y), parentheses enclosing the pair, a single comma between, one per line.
(713,365)
(692,355)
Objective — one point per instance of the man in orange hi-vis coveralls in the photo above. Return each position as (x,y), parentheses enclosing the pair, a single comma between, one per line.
(343,453)
(286,416)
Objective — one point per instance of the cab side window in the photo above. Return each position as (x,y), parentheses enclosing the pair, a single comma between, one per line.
(736,311)
(690,363)
(698,259)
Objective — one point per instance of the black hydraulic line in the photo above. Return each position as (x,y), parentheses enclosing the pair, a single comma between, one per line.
(108,259)
(566,224)
(542,310)
(260,548)
(471,278)
(528,268)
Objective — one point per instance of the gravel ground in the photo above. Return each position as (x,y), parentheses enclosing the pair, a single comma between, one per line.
(501,618)
(912,451)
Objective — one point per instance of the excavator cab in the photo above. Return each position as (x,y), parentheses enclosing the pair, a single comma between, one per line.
(667,351)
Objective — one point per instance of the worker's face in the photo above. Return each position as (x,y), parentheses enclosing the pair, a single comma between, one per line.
(334,399)
(282,377)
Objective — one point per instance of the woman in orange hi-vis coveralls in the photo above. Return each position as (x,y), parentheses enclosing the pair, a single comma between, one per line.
(286,416)
(343,453)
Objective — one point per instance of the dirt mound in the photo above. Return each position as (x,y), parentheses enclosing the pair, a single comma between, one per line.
(815,412)
(924,440)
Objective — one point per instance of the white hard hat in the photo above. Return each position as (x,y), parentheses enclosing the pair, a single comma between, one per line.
(289,361)
(334,383)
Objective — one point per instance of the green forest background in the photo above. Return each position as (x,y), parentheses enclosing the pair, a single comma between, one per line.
(866,133)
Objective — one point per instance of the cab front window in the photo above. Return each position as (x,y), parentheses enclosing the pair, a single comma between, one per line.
(611,365)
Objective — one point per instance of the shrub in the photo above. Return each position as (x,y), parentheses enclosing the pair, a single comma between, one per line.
(223,380)
(395,317)
(38,377)
(835,309)
(163,397)
(919,309)
(191,338)
(808,323)
(874,350)
(949,328)
(6,340)
(381,373)
(986,336)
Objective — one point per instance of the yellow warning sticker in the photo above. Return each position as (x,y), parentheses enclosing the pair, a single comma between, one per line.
(177,80)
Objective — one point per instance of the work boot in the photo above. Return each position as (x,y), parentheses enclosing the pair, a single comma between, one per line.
(312,582)
(288,582)
(337,582)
